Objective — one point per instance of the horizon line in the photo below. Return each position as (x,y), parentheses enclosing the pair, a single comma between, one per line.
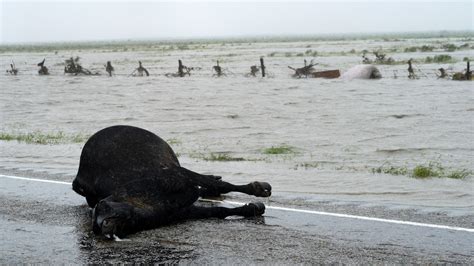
(262,37)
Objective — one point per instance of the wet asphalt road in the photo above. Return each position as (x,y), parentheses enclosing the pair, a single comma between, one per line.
(49,223)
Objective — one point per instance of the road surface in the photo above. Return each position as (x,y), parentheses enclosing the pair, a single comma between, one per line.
(44,222)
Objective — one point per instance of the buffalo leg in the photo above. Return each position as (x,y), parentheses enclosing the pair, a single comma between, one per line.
(198,212)
(212,186)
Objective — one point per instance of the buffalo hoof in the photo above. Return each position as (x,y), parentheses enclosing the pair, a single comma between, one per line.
(254,209)
(261,189)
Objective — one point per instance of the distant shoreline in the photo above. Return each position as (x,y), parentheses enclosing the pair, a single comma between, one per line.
(243,39)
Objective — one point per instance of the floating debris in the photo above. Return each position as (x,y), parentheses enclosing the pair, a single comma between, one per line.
(442,73)
(73,67)
(362,72)
(182,70)
(303,71)
(464,76)
(380,58)
(43,70)
(13,70)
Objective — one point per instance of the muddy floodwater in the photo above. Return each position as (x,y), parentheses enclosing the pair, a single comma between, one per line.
(337,133)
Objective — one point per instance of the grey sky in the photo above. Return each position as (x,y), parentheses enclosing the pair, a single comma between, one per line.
(41,21)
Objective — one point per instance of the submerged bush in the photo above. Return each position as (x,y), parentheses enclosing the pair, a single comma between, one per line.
(449,47)
(222,157)
(310,52)
(421,171)
(459,174)
(392,170)
(426,48)
(433,169)
(173,141)
(423,48)
(279,150)
(442,58)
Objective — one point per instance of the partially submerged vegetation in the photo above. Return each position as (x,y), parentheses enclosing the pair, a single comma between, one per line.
(222,157)
(38,137)
(449,47)
(283,149)
(423,48)
(432,169)
(218,157)
(442,58)
(174,141)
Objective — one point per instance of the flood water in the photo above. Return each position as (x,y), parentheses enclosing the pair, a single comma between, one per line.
(339,130)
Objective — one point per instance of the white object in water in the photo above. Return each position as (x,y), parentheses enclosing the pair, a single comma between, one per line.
(362,72)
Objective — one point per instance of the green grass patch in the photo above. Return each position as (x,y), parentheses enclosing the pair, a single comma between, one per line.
(459,174)
(173,141)
(442,58)
(222,157)
(432,169)
(38,137)
(449,47)
(310,52)
(421,171)
(391,170)
(423,48)
(284,149)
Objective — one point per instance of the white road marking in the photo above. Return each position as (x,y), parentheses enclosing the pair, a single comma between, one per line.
(36,179)
(340,215)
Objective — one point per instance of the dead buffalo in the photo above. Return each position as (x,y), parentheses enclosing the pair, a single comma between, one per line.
(133,181)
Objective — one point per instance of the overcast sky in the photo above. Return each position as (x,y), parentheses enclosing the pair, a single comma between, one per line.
(46,21)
